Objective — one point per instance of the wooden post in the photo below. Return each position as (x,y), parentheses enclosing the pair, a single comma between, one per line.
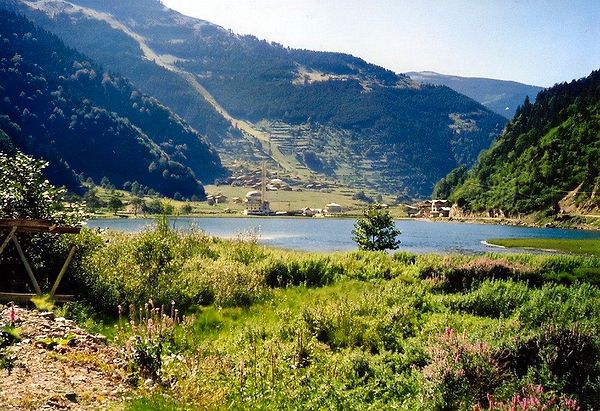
(5,243)
(63,270)
(27,267)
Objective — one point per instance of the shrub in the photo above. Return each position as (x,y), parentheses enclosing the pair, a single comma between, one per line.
(532,398)
(474,272)
(230,284)
(561,305)
(492,299)
(368,265)
(563,358)
(460,372)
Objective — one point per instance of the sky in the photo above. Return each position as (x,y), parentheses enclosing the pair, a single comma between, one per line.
(539,42)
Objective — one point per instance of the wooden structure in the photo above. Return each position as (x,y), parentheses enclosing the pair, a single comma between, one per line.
(15,226)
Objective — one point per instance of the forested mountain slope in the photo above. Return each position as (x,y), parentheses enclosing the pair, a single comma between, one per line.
(501,96)
(550,149)
(325,114)
(58,105)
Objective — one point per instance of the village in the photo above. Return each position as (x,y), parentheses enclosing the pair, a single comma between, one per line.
(263,187)
(256,201)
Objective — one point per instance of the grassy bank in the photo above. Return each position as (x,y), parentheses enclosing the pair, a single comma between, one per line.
(574,246)
(210,324)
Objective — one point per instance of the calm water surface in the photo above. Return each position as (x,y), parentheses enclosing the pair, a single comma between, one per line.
(328,234)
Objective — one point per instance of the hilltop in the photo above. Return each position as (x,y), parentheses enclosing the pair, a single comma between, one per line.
(501,96)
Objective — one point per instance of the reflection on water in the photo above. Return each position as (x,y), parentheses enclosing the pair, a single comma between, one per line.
(327,234)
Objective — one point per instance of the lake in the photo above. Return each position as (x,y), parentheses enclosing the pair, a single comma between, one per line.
(329,234)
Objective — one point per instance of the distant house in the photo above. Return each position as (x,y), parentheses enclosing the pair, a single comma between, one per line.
(309,212)
(276,182)
(220,199)
(430,208)
(333,208)
(412,211)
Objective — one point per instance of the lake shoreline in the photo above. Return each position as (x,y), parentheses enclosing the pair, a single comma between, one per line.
(328,234)
(464,220)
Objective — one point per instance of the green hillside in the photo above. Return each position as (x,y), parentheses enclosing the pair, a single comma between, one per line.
(501,96)
(58,105)
(549,152)
(317,114)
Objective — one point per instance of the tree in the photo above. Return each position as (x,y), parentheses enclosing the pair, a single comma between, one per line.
(115,204)
(137,203)
(92,201)
(186,209)
(105,182)
(25,192)
(376,230)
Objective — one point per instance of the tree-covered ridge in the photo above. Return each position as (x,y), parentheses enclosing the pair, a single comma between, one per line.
(409,135)
(501,96)
(549,149)
(57,104)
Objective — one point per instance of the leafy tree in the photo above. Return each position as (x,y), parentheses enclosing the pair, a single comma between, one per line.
(167,208)
(376,230)
(550,148)
(105,182)
(115,204)
(92,201)
(361,196)
(138,204)
(186,209)
(153,207)
(25,192)
(444,187)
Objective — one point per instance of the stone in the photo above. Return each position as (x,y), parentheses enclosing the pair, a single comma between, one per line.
(47,315)
(71,396)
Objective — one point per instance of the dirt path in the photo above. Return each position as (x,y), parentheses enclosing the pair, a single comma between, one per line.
(58,366)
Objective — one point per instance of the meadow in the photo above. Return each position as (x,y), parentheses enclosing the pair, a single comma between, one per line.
(211,324)
(575,246)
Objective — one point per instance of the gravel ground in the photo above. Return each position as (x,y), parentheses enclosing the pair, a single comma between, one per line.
(58,366)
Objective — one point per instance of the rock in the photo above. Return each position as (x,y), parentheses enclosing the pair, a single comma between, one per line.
(71,396)
(47,315)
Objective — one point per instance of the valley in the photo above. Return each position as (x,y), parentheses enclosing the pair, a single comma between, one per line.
(230,86)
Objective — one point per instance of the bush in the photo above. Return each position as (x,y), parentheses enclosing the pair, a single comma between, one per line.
(529,398)
(492,299)
(566,359)
(230,284)
(461,372)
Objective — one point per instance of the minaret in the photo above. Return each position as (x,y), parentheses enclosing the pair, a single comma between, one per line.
(264,183)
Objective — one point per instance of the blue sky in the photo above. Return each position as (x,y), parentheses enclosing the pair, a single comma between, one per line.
(535,42)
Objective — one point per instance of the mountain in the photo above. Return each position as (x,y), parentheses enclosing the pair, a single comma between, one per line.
(312,114)
(57,104)
(501,96)
(548,155)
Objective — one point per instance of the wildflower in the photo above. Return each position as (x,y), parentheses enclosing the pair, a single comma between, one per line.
(150,325)
(13,314)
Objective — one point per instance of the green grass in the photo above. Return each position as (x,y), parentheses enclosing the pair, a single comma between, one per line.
(271,329)
(583,246)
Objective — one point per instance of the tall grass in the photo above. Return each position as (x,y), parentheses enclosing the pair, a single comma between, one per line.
(275,329)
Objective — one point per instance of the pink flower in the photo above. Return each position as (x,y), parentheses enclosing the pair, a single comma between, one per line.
(13,314)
